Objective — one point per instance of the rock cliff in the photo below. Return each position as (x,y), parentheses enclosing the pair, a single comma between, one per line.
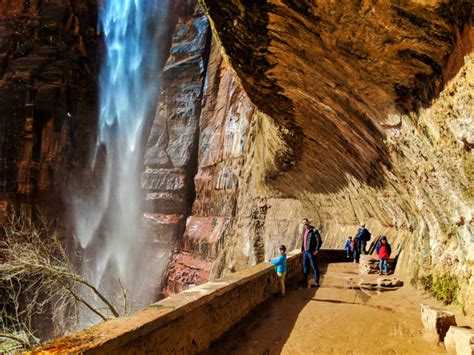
(360,111)
(370,107)
(48,57)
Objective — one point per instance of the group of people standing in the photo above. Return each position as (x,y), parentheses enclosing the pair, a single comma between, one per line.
(358,245)
(311,242)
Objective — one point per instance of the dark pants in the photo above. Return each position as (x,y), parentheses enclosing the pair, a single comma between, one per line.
(356,254)
(310,260)
(363,245)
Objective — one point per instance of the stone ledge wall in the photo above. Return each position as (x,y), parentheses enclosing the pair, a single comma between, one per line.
(187,322)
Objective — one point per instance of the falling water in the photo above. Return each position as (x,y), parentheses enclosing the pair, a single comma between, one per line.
(107,222)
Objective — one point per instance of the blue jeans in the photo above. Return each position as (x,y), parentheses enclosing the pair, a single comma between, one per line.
(310,260)
(383,264)
(349,253)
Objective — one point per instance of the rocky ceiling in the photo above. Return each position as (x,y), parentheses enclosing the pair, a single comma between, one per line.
(332,73)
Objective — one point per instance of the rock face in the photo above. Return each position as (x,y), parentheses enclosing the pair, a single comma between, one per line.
(171,152)
(368,112)
(48,56)
(360,111)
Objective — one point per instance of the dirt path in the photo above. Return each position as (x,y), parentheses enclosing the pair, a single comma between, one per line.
(335,319)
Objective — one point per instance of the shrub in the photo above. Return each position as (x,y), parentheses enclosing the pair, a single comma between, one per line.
(445,288)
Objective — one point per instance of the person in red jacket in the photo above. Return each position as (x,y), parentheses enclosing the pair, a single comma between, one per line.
(383,252)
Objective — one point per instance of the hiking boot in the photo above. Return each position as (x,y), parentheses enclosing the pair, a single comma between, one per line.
(315,285)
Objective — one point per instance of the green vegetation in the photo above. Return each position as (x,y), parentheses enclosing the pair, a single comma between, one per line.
(468,166)
(426,282)
(444,288)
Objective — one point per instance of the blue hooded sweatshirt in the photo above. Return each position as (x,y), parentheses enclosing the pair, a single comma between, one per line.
(280,263)
(347,246)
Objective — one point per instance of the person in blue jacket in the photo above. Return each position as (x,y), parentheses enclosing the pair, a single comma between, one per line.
(348,247)
(362,237)
(280,268)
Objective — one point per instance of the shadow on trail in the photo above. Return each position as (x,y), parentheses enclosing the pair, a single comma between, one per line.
(266,329)
(380,307)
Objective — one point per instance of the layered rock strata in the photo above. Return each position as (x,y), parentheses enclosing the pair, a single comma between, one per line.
(370,105)
(171,152)
(48,52)
(360,111)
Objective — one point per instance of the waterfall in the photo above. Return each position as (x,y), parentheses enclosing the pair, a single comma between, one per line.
(107,221)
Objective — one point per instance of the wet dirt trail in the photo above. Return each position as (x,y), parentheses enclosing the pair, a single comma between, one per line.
(335,319)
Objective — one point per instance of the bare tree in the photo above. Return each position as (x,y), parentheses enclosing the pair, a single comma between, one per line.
(38,281)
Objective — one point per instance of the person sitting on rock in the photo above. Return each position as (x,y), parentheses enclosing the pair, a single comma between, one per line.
(280,268)
(383,252)
(349,247)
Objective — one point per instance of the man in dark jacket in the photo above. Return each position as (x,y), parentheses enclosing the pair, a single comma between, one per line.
(311,243)
(362,236)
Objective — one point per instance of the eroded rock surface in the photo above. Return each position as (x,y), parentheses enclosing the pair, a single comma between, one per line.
(348,112)
(368,111)
(48,54)
(436,322)
(459,340)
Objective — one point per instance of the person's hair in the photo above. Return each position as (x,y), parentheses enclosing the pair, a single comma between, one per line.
(350,237)
(282,247)
(383,238)
(306,219)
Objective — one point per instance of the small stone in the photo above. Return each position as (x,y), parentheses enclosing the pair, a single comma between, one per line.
(436,322)
(459,341)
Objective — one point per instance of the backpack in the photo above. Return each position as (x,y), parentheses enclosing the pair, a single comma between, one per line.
(366,236)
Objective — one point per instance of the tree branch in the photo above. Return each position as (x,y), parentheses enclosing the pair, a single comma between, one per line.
(17,339)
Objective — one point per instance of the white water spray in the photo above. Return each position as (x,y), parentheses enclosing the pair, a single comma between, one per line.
(108,223)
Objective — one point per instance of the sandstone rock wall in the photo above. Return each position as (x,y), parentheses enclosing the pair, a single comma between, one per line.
(357,112)
(171,152)
(354,121)
(48,52)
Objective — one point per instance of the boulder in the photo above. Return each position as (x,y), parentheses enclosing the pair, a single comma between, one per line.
(459,341)
(436,322)
(368,265)
(389,282)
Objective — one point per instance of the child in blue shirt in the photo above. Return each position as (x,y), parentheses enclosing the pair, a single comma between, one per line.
(349,247)
(280,268)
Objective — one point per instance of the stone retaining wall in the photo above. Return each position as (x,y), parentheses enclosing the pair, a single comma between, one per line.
(187,322)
